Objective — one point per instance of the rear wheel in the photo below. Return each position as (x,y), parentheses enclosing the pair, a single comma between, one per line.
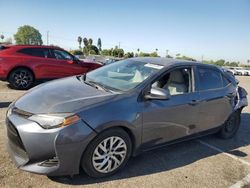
(107,153)
(231,126)
(21,78)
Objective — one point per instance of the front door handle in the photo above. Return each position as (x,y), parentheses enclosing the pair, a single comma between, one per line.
(194,102)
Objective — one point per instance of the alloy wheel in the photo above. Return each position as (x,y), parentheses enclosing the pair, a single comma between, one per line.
(22,79)
(109,154)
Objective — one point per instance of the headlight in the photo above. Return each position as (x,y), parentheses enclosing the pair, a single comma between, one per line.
(9,112)
(54,120)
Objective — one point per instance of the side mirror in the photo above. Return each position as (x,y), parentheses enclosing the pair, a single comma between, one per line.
(158,94)
(70,61)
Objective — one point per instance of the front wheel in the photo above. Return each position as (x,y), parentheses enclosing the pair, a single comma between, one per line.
(107,153)
(21,78)
(231,126)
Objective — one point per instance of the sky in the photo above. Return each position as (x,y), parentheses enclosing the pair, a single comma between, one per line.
(214,29)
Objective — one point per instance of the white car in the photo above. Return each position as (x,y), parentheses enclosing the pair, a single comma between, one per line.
(247,71)
(240,71)
(231,70)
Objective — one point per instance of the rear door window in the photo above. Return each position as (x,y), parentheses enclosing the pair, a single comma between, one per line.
(37,52)
(210,79)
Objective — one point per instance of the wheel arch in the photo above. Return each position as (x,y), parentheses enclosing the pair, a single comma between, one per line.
(132,135)
(23,67)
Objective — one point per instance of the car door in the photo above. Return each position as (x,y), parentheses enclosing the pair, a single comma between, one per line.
(216,97)
(65,64)
(39,60)
(168,120)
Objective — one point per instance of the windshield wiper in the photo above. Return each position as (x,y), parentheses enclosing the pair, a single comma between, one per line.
(98,85)
(95,85)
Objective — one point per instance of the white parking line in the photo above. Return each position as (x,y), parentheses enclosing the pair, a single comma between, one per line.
(240,183)
(245,181)
(223,152)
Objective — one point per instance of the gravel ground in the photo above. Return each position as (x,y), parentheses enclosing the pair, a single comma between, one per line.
(205,162)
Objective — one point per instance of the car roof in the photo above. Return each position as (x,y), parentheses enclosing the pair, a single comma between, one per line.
(166,62)
(32,46)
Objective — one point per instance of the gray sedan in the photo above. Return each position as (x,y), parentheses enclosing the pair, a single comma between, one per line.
(97,121)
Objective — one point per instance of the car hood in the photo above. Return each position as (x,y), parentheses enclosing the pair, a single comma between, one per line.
(61,96)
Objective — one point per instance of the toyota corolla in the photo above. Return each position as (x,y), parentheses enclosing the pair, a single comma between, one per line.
(98,120)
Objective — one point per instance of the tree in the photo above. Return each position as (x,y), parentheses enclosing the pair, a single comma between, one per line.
(99,44)
(76,52)
(106,52)
(129,55)
(90,41)
(79,39)
(185,57)
(85,42)
(89,48)
(220,62)
(28,35)
(143,54)
(118,52)
(93,50)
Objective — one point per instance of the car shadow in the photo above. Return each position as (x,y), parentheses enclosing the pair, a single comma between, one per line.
(34,85)
(4,104)
(171,157)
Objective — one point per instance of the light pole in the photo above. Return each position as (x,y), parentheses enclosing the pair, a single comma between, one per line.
(47,38)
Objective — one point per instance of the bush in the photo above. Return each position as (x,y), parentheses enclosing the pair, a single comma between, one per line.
(76,52)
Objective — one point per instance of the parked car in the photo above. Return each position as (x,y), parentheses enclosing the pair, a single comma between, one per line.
(247,71)
(98,120)
(239,71)
(22,65)
(112,60)
(231,69)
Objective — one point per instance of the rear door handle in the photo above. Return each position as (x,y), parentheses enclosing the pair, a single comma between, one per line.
(194,102)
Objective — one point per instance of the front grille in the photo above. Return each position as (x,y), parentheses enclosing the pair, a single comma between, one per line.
(13,135)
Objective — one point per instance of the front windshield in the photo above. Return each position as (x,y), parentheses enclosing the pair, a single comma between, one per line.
(123,75)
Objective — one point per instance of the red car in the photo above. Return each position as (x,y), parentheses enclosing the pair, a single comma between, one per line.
(22,65)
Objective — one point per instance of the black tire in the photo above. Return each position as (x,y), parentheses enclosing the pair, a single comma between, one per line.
(231,126)
(21,78)
(87,159)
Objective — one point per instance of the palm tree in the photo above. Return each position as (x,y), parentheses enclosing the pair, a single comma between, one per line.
(99,44)
(90,41)
(79,39)
(85,42)
(2,37)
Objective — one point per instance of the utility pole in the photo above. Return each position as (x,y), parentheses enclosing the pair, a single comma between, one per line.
(202,58)
(119,45)
(47,38)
